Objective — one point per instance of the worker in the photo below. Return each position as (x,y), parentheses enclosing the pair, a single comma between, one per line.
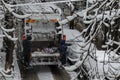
(63,50)
(27,50)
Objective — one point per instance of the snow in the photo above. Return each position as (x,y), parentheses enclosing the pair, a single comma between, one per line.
(71,6)
(72,75)
(81,14)
(91,1)
(47,12)
(60,27)
(2,36)
(112,22)
(108,4)
(106,24)
(21,16)
(40,54)
(100,56)
(7,30)
(45,16)
(88,22)
(9,37)
(70,34)
(73,60)
(63,22)
(55,2)
(103,65)
(105,61)
(69,18)
(7,6)
(76,65)
(48,8)
(45,73)
(15,72)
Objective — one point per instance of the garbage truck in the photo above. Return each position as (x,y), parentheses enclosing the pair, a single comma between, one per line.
(41,26)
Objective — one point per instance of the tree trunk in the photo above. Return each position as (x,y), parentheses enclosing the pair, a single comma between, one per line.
(71,22)
(9,53)
(7,43)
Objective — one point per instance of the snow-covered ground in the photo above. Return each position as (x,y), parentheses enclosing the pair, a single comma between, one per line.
(45,73)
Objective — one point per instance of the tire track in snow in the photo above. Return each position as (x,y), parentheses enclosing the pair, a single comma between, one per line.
(44,73)
(59,74)
(51,73)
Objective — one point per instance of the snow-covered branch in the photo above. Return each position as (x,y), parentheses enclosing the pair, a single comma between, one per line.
(7,30)
(104,18)
(8,7)
(77,64)
(44,3)
(21,16)
(71,6)
(6,34)
(81,14)
(9,37)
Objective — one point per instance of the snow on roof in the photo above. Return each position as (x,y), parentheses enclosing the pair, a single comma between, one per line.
(49,11)
(45,16)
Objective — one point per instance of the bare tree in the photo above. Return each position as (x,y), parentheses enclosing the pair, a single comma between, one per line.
(9,36)
(102,18)
(9,44)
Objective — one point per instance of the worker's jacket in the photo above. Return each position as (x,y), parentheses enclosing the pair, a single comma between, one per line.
(63,47)
(26,47)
